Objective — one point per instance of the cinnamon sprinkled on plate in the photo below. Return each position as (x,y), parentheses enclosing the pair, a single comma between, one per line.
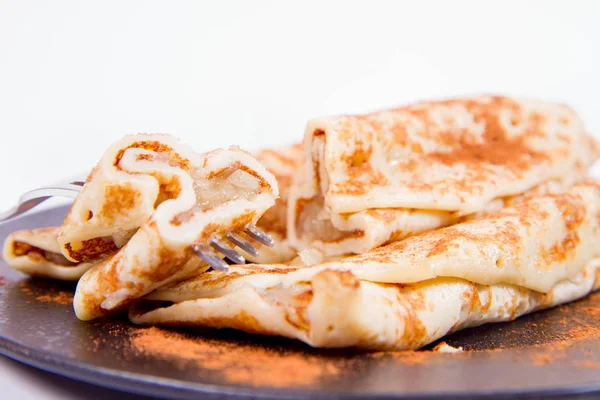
(59,298)
(252,365)
(589,364)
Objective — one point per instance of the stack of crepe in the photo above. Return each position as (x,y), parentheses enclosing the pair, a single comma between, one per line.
(393,228)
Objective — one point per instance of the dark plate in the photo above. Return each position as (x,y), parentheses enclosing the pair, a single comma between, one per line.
(556,352)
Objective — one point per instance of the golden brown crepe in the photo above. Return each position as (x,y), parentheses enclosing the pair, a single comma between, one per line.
(376,178)
(36,252)
(146,204)
(536,254)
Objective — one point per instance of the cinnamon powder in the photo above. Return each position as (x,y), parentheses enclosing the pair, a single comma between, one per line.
(255,365)
(589,364)
(406,357)
(25,288)
(592,311)
(577,323)
(51,294)
(58,298)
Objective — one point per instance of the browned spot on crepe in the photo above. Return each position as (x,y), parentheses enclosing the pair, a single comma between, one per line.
(168,190)
(118,202)
(91,249)
(573,211)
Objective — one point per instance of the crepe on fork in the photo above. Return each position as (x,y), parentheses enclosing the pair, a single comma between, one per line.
(36,252)
(534,255)
(145,205)
(377,178)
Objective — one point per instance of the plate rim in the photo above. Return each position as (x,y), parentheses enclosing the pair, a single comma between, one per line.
(150,385)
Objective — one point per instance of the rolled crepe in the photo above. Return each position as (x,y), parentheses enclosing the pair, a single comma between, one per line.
(376,178)
(37,253)
(534,255)
(148,202)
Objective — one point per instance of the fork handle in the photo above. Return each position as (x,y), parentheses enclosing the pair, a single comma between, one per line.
(35,197)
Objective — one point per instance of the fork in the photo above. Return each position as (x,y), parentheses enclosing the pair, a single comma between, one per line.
(208,253)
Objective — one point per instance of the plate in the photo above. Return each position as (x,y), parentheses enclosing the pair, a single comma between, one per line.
(554,352)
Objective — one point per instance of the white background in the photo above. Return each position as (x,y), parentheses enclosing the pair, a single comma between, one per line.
(77,75)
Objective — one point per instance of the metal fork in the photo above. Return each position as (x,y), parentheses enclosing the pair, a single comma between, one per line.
(208,253)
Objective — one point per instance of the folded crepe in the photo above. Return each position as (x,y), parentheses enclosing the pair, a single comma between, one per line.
(145,205)
(533,255)
(36,252)
(284,163)
(377,178)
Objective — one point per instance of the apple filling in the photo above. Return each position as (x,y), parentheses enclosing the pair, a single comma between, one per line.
(23,249)
(232,183)
(313,223)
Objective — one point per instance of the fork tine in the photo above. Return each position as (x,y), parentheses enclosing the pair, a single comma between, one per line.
(241,243)
(254,232)
(209,257)
(227,251)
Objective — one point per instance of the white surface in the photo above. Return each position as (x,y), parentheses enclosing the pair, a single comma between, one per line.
(26,383)
(75,76)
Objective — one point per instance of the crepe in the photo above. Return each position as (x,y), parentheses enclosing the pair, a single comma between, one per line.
(377,178)
(284,163)
(534,255)
(145,205)
(37,253)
